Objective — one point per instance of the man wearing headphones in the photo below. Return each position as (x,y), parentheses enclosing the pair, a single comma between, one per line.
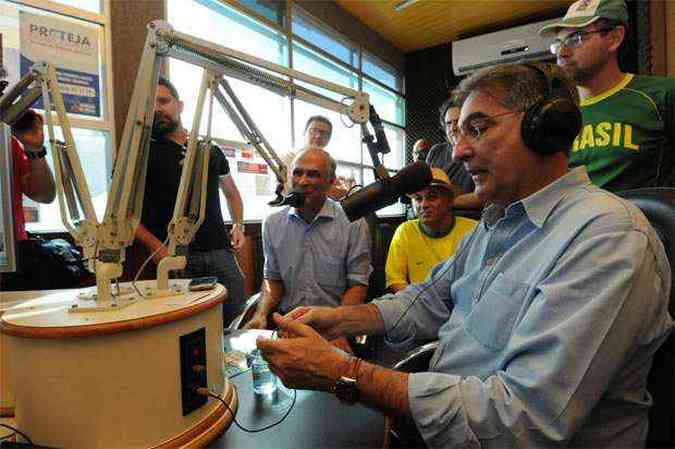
(545,337)
(628,135)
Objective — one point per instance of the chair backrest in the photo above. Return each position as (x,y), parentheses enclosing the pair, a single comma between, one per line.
(381,235)
(246,315)
(403,431)
(658,205)
(417,360)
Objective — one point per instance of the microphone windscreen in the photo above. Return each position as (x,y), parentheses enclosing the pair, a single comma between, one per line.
(379,194)
(411,178)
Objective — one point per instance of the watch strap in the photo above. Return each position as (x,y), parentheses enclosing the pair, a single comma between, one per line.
(346,387)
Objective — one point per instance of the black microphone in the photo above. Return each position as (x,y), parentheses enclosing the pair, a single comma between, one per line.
(410,179)
(294,198)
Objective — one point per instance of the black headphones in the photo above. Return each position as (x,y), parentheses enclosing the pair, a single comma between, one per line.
(551,124)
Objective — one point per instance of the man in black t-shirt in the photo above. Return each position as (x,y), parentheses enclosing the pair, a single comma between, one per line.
(440,156)
(212,250)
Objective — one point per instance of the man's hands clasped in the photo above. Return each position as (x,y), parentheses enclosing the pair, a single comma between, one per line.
(325,320)
(302,358)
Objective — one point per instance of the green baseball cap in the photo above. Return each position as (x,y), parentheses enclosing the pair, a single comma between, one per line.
(585,12)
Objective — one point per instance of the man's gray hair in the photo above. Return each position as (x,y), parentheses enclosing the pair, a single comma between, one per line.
(519,86)
(332,165)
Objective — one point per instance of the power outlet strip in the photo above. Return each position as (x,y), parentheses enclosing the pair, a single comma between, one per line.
(193,369)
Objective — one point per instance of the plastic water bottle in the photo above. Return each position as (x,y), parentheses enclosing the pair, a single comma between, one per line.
(264,380)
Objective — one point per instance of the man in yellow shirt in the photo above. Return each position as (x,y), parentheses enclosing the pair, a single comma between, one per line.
(419,245)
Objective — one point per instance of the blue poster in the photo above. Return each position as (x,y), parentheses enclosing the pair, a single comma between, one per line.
(73,50)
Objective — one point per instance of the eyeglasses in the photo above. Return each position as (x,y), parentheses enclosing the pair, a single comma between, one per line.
(574,40)
(474,129)
(319,132)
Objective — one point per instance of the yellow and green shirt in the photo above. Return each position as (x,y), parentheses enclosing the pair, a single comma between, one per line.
(412,254)
(627,138)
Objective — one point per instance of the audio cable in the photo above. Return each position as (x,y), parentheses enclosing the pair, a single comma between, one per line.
(205,392)
(23,435)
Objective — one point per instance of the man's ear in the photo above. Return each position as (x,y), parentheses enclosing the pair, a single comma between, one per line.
(618,35)
(180,107)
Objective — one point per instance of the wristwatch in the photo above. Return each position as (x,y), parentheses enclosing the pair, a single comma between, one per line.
(33,155)
(346,390)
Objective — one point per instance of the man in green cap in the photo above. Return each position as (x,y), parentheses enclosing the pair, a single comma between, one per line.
(628,134)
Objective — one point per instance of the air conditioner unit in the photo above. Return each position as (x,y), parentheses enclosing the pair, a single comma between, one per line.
(510,45)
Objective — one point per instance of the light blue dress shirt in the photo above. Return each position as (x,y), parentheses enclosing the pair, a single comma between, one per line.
(317,261)
(548,318)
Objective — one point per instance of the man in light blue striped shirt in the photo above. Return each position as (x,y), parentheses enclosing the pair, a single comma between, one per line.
(313,254)
(548,315)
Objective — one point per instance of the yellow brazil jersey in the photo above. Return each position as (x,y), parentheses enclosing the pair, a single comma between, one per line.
(412,254)
(628,137)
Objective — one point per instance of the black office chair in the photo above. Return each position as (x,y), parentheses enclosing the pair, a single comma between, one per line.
(402,432)
(249,309)
(658,204)
(381,235)
(417,360)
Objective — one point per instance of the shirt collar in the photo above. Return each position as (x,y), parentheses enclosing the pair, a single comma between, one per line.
(609,92)
(327,211)
(541,203)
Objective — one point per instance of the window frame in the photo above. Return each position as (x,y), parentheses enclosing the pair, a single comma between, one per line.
(105,123)
(328,31)
(287,30)
(390,68)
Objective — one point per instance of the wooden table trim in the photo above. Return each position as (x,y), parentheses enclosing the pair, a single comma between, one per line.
(206,430)
(107,328)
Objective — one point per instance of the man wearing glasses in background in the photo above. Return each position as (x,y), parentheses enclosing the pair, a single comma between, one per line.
(440,156)
(318,131)
(628,135)
(545,337)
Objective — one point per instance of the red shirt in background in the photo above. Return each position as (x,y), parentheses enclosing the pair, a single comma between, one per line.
(20,167)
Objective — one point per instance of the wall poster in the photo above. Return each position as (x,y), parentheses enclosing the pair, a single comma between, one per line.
(73,49)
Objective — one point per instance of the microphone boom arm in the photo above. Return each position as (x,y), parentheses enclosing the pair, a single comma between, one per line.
(77,210)
(107,241)
(125,204)
(376,147)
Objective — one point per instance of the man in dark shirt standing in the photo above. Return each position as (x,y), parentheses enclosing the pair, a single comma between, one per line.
(212,250)
(440,156)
